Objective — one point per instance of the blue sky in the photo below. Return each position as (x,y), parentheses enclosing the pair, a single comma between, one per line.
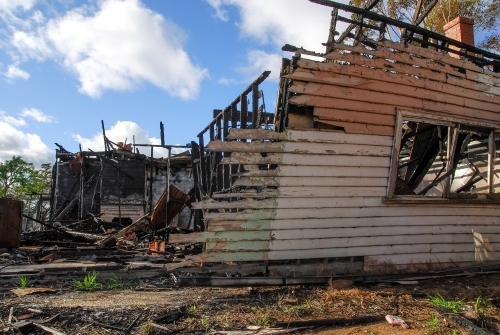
(67,64)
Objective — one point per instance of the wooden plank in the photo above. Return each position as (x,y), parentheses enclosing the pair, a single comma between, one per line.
(318,201)
(359,251)
(329,223)
(316,136)
(445,63)
(392,253)
(236,146)
(491,161)
(396,147)
(309,181)
(310,192)
(299,148)
(417,258)
(399,74)
(223,235)
(449,96)
(254,134)
(436,55)
(457,241)
(256,173)
(332,171)
(329,98)
(403,211)
(360,128)
(304,159)
(353,116)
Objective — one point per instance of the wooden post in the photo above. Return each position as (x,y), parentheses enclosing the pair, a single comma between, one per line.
(396,146)
(491,161)
(452,144)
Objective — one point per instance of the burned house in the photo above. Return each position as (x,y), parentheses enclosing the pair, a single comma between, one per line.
(119,185)
(382,157)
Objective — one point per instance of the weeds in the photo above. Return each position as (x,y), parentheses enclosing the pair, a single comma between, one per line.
(119,284)
(23,282)
(193,309)
(89,283)
(454,332)
(481,305)
(433,323)
(454,306)
(262,319)
(205,324)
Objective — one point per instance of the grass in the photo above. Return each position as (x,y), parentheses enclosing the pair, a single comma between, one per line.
(116,283)
(23,282)
(262,318)
(481,306)
(433,323)
(193,309)
(89,283)
(454,306)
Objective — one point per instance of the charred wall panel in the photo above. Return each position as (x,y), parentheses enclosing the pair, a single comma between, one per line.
(123,183)
(67,185)
(10,222)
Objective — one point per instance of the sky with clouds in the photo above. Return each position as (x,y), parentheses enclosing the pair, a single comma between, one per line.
(65,65)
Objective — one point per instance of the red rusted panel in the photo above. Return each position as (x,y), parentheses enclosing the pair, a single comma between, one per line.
(10,222)
(176,203)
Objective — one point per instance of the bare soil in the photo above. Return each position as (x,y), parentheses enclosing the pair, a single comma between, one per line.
(206,310)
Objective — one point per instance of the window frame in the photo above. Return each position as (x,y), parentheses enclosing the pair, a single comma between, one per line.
(453,124)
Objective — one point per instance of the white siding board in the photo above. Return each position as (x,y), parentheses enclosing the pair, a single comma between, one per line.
(332,171)
(394,231)
(315,136)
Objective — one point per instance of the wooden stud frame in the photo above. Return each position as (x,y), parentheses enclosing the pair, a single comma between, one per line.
(453,130)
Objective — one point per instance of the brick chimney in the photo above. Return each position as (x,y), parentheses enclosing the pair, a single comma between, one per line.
(460,29)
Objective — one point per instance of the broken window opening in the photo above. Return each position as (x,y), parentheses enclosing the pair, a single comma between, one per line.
(443,159)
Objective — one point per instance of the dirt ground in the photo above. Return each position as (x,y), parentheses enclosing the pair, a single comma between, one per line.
(215,310)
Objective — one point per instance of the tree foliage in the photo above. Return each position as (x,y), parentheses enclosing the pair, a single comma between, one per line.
(486,15)
(18,178)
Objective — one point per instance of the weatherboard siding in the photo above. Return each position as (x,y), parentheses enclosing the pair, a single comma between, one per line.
(344,216)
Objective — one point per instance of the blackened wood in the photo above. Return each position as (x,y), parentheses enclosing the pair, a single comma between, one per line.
(203,162)
(331,322)
(162,133)
(255,105)
(195,161)
(332,31)
(244,111)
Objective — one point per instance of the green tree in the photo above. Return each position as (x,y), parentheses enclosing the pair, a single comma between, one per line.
(486,15)
(18,177)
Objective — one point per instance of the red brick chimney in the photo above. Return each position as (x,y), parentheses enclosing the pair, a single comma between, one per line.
(460,29)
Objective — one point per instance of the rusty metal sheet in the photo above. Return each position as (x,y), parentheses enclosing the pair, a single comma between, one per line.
(10,222)
(177,201)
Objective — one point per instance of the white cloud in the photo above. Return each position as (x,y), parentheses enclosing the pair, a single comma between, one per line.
(30,147)
(37,115)
(226,81)
(300,23)
(16,122)
(220,12)
(121,131)
(13,73)
(117,47)
(12,5)
(260,61)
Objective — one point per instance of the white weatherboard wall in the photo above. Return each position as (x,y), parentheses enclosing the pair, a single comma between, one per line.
(336,209)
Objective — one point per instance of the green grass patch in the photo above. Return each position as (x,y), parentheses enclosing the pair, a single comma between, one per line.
(116,283)
(454,306)
(89,283)
(433,323)
(23,281)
